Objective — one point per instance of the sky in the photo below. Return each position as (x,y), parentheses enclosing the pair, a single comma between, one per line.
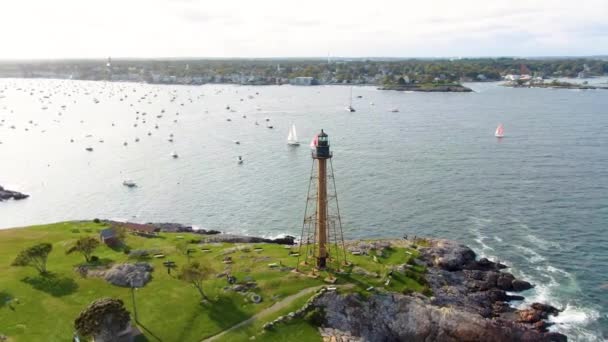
(305,28)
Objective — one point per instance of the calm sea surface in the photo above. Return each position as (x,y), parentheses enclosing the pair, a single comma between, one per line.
(536,200)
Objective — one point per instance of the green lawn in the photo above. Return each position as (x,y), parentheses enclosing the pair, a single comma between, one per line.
(44,308)
(298,330)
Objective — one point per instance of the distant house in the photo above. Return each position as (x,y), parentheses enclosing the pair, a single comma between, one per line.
(109,237)
(303,81)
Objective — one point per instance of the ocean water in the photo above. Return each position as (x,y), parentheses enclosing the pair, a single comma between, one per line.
(536,200)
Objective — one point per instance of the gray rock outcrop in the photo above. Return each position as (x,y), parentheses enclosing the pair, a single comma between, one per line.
(129,275)
(397,317)
(469,302)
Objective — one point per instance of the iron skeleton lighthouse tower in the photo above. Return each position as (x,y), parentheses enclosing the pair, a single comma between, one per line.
(322,234)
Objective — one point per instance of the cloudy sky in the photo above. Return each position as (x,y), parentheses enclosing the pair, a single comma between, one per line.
(289,28)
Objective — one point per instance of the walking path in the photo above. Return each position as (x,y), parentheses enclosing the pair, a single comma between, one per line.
(269,310)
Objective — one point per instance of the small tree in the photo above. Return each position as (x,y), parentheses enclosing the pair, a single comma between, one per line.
(103,320)
(120,233)
(195,273)
(86,245)
(35,256)
(184,248)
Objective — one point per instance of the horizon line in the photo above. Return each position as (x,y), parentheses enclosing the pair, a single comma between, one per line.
(304,58)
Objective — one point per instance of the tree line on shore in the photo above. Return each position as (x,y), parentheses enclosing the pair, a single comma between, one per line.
(339,71)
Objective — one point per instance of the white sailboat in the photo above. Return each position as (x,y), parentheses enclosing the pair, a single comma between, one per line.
(500,131)
(350,107)
(292,137)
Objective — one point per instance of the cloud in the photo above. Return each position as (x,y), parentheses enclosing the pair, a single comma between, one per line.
(97,28)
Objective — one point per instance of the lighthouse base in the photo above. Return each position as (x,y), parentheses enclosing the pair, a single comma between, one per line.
(321,263)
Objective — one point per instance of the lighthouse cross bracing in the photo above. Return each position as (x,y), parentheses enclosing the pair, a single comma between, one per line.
(322,235)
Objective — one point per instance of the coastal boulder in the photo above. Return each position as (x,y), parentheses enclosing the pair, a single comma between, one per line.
(448,255)
(521,285)
(130,275)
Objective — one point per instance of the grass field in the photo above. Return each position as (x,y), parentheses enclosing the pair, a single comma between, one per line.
(37,308)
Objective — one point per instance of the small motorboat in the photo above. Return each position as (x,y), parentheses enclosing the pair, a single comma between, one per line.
(90,149)
(395,110)
(237,142)
(240,160)
(129,183)
(174,155)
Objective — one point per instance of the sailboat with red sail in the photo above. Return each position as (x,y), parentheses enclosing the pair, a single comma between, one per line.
(500,131)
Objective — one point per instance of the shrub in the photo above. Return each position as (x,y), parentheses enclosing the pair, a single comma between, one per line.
(407,291)
(96,220)
(139,254)
(126,250)
(94,258)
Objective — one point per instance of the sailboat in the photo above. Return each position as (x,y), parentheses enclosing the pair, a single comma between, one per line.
(292,137)
(500,131)
(350,107)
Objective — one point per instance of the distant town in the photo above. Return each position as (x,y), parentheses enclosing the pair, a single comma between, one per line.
(306,72)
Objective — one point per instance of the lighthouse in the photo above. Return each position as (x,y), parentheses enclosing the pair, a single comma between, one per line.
(322,236)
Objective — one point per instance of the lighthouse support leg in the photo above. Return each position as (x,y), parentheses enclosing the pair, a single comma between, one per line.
(322,214)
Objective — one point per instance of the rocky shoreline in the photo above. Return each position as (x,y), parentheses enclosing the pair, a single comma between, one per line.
(211,236)
(469,303)
(561,85)
(8,194)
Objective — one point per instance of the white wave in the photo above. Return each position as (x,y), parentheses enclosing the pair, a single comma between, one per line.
(479,223)
(498,239)
(276,235)
(197,227)
(572,322)
(479,240)
(542,243)
(531,254)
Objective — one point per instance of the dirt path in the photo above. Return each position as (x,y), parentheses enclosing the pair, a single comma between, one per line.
(269,310)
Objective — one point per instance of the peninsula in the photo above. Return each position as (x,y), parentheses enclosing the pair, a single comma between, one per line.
(6,194)
(170,282)
(428,87)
